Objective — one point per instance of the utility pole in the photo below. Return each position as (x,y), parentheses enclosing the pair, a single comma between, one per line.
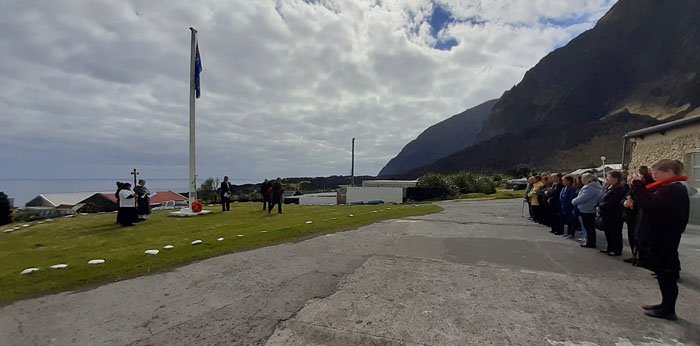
(352,170)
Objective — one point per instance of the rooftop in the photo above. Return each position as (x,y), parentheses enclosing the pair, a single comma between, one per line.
(661,128)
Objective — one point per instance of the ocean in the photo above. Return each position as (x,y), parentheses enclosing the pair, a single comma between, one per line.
(24,190)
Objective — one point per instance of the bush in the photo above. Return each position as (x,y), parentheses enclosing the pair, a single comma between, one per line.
(436,186)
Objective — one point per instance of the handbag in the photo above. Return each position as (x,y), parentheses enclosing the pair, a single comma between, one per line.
(227,194)
(599,223)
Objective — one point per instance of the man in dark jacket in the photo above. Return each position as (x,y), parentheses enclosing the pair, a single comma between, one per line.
(277,192)
(611,208)
(265,192)
(225,195)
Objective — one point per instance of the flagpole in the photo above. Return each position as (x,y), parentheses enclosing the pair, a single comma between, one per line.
(193,178)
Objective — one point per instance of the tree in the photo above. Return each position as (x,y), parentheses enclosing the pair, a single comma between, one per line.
(5,210)
(207,191)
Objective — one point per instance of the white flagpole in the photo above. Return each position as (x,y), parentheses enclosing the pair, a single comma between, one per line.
(193,177)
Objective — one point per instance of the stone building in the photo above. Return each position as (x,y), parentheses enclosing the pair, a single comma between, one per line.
(678,140)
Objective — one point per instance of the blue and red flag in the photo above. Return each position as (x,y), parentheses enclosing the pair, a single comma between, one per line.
(197,71)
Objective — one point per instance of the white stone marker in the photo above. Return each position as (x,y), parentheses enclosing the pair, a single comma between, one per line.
(240,236)
(168,247)
(263,231)
(29,271)
(197,242)
(25,225)
(309,222)
(151,252)
(96,261)
(220,239)
(8,230)
(351,215)
(59,266)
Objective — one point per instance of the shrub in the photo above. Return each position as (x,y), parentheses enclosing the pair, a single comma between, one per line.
(436,186)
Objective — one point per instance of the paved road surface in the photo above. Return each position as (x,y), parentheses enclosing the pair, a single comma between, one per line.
(475,274)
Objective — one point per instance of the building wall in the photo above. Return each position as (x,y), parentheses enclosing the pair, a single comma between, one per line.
(368,194)
(678,144)
(674,144)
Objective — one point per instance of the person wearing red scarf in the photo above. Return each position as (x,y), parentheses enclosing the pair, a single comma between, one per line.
(665,210)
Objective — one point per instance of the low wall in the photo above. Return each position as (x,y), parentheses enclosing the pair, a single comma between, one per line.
(368,194)
(325,199)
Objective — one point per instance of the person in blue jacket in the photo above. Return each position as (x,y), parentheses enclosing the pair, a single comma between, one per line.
(568,193)
(586,202)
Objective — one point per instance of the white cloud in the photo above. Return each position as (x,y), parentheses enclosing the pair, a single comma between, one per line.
(93,89)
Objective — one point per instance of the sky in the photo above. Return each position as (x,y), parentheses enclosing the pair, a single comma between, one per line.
(93,89)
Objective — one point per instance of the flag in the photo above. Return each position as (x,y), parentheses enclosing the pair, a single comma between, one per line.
(197,71)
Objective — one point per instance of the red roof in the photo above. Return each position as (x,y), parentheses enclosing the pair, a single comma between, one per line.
(160,197)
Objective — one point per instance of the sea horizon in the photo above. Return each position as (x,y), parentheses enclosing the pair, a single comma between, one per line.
(25,189)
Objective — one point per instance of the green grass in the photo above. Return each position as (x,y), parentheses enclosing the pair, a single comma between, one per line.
(500,194)
(77,240)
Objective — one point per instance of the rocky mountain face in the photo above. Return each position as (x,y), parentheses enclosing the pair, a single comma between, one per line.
(442,139)
(637,67)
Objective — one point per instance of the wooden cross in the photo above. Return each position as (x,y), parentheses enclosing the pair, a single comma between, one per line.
(135,174)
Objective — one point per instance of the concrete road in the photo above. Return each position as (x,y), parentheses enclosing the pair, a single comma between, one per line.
(475,274)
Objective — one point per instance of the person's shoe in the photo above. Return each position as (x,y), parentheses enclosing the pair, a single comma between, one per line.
(613,253)
(628,260)
(651,307)
(605,250)
(658,314)
(588,246)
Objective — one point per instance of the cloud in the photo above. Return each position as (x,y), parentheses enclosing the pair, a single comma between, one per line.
(93,89)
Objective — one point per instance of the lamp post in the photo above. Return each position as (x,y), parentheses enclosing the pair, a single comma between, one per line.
(602,158)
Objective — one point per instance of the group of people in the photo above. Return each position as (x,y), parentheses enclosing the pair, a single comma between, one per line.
(271,192)
(654,204)
(133,206)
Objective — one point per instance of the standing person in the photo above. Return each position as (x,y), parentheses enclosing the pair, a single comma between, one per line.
(557,222)
(225,195)
(577,215)
(567,194)
(277,192)
(665,209)
(143,205)
(530,183)
(586,203)
(533,198)
(611,209)
(116,195)
(265,192)
(127,206)
(632,215)
(645,175)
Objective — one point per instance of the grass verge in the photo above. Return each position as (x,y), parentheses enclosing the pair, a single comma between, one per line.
(500,194)
(75,241)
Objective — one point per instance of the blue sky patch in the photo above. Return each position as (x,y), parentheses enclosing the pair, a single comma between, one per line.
(439,20)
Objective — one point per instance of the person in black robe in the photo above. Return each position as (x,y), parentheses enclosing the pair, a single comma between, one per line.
(665,209)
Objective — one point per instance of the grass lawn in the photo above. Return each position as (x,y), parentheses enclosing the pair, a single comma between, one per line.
(500,194)
(75,241)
